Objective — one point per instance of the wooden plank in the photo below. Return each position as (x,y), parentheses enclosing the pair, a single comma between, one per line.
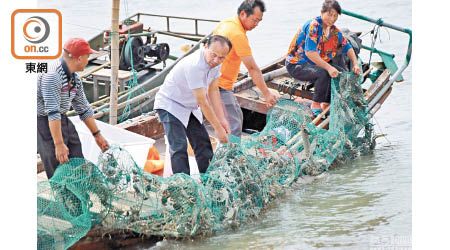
(247,99)
(316,120)
(94,56)
(381,101)
(377,85)
(106,74)
(251,104)
(88,72)
(247,82)
(275,84)
(145,125)
(385,96)
(96,240)
(253,99)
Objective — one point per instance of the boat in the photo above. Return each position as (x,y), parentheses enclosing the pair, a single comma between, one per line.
(146,57)
(379,77)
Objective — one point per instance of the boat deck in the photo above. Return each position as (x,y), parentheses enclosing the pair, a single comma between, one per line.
(159,144)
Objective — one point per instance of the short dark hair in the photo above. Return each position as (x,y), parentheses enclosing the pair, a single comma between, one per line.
(331,4)
(249,5)
(218,38)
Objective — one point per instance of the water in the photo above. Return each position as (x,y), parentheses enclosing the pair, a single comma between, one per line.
(358,206)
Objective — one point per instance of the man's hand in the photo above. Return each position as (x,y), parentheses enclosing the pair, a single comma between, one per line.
(221,135)
(356,69)
(62,152)
(220,126)
(333,72)
(271,99)
(258,79)
(101,142)
(225,126)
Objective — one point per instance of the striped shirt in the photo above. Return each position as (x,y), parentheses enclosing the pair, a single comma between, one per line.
(56,93)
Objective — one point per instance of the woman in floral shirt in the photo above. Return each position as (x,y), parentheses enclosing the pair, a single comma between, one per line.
(312,49)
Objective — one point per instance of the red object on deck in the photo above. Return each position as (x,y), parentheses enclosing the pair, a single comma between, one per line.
(138,27)
(153,164)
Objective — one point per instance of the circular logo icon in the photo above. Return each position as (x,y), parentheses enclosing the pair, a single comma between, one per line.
(36,29)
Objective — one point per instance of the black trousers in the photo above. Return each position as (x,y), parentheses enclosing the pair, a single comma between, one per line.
(316,75)
(198,138)
(46,147)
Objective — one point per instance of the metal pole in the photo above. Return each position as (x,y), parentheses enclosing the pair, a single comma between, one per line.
(114,62)
(407,59)
(380,22)
(168,25)
(386,87)
(196,27)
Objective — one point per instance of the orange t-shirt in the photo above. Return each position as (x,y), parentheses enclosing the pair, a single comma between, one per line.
(233,30)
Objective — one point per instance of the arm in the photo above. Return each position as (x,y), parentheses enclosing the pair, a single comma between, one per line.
(258,79)
(200,96)
(315,58)
(99,139)
(61,150)
(351,54)
(216,102)
(51,92)
(81,106)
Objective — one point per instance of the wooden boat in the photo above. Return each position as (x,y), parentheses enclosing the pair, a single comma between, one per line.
(381,74)
(148,125)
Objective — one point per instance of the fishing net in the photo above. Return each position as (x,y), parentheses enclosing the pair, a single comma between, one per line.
(243,177)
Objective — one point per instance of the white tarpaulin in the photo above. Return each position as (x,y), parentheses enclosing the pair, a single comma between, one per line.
(136,145)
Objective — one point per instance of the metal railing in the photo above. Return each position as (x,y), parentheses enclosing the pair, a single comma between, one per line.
(168,18)
(399,71)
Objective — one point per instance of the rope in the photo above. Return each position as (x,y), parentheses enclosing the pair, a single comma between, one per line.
(132,83)
(375,34)
(290,85)
(87,27)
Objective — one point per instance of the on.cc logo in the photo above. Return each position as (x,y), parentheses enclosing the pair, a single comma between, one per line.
(36,29)
(36,34)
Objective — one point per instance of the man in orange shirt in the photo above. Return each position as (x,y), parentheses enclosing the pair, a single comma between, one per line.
(250,13)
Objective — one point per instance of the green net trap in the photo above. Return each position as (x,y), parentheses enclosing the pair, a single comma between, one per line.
(244,176)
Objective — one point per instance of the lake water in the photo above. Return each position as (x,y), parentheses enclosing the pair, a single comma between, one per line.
(361,205)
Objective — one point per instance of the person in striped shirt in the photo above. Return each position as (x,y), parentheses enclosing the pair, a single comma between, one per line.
(57,91)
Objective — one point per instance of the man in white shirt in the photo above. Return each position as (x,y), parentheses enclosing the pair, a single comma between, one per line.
(189,90)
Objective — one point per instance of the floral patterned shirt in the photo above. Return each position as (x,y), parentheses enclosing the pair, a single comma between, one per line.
(310,38)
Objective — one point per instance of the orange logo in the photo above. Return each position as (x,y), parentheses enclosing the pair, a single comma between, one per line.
(36,34)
